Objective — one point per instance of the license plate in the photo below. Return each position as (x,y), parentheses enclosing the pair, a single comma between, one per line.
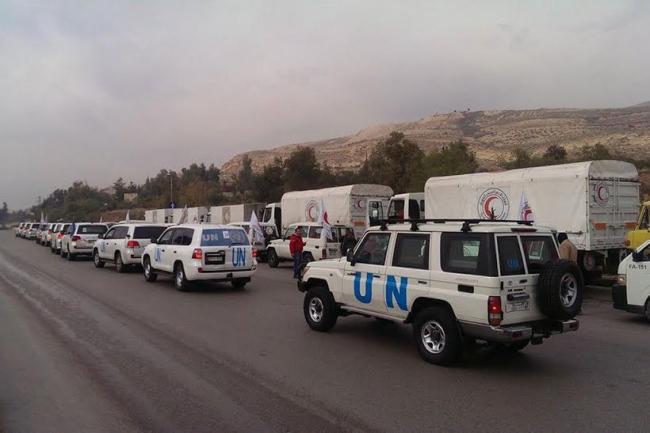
(215,258)
(517,306)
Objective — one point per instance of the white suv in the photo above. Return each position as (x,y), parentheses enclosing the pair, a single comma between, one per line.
(278,250)
(501,283)
(194,252)
(123,244)
(80,238)
(57,237)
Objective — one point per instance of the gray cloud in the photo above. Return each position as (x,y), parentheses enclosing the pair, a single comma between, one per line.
(97,90)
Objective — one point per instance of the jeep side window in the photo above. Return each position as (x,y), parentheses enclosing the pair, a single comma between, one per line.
(291,230)
(412,251)
(645,253)
(538,250)
(468,253)
(166,237)
(510,260)
(373,249)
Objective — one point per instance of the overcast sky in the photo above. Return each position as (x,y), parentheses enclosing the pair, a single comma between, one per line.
(94,90)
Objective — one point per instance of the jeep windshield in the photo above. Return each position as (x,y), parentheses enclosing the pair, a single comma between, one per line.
(223,237)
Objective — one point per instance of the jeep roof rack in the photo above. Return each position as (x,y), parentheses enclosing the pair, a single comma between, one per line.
(466,222)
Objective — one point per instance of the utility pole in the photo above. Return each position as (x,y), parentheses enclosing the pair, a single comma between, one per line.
(171,189)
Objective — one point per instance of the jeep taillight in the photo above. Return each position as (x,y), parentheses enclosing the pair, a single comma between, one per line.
(132,244)
(254,253)
(495,313)
(197,254)
(75,238)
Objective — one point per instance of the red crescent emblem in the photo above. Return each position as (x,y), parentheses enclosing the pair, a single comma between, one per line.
(487,208)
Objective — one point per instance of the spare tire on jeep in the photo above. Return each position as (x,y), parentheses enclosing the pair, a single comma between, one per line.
(560,290)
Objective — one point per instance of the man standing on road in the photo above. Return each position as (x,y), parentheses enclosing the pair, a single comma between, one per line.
(295,248)
(568,251)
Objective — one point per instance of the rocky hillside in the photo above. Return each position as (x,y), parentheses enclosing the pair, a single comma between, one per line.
(491,134)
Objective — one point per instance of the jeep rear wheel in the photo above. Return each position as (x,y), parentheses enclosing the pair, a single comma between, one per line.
(437,336)
(273,260)
(560,290)
(320,309)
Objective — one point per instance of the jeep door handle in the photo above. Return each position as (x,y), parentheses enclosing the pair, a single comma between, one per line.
(422,282)
(350,273)
(376,276)
(174,252)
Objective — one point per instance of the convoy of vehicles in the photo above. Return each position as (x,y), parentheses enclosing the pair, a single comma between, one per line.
(124,243)
(478,264)
(446,280)
(594,202)
(194,252)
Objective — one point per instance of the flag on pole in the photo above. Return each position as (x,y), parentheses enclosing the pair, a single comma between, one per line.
(42,218)
(183,219)
(525,211)
(101,218)
(255,233)
(326,232)
(128,216)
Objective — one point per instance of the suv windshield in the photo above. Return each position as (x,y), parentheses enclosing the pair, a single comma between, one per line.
(223,237)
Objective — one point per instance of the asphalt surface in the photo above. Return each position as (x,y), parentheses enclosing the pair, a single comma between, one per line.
(87,350)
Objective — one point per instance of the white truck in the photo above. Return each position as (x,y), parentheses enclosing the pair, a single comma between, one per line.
(594,202)
(195,215)
(408,206)
(235,213)
(358,206)
(160,216)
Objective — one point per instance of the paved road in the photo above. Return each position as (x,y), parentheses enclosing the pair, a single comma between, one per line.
(86,350)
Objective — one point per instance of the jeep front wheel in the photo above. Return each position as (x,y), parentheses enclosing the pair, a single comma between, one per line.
(149,275)
(437,336)
(99,263)
(320,309)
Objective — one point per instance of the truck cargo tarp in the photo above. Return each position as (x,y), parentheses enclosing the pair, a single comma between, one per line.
(569,197)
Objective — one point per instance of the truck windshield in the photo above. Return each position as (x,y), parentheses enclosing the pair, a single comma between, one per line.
(223,237)
(266,217)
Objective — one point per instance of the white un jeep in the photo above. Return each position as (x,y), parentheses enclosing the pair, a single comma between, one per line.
(497,282)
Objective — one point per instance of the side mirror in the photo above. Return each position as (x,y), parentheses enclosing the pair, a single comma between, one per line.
(154,240)
(100,236)
(637,257)
(350,256)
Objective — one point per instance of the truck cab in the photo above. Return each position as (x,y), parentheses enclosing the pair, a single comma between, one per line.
(407,206)
(641,232)
(273,214)
(632,291)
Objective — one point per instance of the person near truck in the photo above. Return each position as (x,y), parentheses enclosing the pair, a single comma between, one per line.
(295,248)
(348,242)
(568,251)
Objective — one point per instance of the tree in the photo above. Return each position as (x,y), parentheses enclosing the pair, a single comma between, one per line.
(456,158)
(268,185)
(246,177)
(519,158)
(119,187)
(594,152)
(4,213)
(555,154)
(393,163)
(301,170)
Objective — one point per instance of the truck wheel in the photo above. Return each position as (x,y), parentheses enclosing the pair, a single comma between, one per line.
(273,259)
(320,309)
(560,290)
(99,263)
(180,281)
(149,274)
(437,336)
(119,264)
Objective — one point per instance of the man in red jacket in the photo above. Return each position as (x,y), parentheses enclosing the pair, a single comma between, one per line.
(295,248)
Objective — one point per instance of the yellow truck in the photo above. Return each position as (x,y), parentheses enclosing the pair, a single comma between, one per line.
(641,232)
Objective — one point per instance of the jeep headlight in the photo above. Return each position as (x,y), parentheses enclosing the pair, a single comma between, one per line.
(622,279)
